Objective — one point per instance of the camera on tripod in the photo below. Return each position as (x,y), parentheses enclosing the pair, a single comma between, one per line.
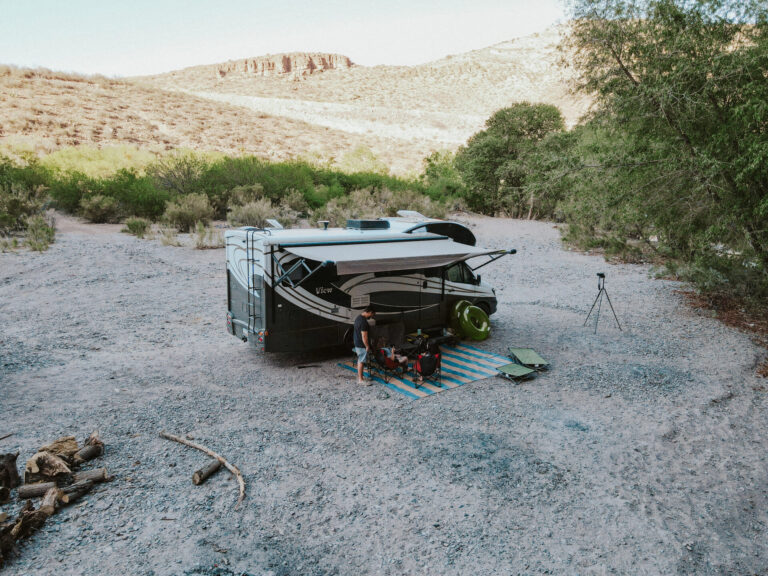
(599,301)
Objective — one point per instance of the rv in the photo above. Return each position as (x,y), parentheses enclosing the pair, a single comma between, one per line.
(301,289)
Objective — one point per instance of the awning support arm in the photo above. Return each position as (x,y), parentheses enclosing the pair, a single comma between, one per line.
(495,257)
(301,262)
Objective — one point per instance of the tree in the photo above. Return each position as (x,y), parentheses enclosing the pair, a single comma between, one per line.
(687,83)
(490,163)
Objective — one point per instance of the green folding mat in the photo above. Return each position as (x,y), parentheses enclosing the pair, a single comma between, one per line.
(514,370)
(528,357)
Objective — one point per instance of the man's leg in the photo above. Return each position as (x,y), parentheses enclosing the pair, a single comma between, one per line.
(359,372)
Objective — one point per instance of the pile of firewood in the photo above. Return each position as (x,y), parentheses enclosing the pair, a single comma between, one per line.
(54,474)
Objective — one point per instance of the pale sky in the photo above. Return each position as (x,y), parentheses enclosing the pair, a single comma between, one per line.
(133,37)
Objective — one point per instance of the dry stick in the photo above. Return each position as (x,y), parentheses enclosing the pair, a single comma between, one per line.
(6,436)
(202,475)
(232,468)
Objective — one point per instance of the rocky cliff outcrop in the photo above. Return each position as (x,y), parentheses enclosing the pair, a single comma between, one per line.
(297,63)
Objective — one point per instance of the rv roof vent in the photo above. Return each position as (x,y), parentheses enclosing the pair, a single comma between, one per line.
(368,224)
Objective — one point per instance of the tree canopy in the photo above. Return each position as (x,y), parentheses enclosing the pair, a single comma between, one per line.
(684,88)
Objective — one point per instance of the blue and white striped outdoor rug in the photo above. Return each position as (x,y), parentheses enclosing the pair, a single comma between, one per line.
(461,364)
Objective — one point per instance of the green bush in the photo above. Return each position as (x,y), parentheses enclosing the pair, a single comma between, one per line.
(99,209)
(22,194)
(137,226)
(40,233)
(186,211)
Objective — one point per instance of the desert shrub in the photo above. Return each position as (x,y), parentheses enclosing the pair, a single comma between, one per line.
(22,194)
(206,237)
(241,195)
(374,202)
(169,236)
(40,233)
(98,162)
(9,244)
(253,213)
(295,202)
(186,211)
(99,209)
(361,159)
(137,226)
(180,172)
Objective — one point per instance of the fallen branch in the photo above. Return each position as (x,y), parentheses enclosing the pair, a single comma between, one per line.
(232,468)
(6,436)
(202,475)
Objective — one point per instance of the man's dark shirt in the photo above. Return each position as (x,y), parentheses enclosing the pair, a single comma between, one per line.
(361,325)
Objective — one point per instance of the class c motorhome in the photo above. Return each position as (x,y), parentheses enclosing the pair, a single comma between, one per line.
(301,289)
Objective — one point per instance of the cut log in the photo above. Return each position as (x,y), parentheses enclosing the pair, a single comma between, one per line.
(96,475)
(45,466)
(231,467)
(76,491)
(51,501)
(9,475)
(28,491)
(65,447)
(202,475)
(93,448)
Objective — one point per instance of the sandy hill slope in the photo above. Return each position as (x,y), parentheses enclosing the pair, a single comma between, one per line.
(288,105)
(48,110)
(443,101)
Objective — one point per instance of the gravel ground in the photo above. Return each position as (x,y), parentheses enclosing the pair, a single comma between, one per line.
(642,451)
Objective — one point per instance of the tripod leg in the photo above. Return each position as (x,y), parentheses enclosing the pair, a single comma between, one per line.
(593,307)
(612,310)
(600,305)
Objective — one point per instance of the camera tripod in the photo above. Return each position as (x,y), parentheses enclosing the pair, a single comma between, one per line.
(599,302)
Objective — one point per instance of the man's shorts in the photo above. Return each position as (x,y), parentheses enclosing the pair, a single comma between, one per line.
(362,355)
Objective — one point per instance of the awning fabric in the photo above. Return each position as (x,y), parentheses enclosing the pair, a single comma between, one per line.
(388,256)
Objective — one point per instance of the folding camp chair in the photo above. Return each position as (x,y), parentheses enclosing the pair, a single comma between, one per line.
(393,335)
(515,371)
(529,358)
(427,368)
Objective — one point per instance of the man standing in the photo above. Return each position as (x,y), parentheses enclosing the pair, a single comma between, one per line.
(362,342)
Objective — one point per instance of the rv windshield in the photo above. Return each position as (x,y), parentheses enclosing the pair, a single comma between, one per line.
(460,273)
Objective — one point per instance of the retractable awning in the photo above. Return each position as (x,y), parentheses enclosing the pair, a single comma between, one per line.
(360,258)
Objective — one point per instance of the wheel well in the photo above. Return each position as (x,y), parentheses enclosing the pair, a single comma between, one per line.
(484,306)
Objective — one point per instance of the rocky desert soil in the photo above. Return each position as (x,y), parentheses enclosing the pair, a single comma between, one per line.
(641,451)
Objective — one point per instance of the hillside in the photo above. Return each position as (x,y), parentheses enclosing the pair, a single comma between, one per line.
(287,105)
(445,101)
(44,111)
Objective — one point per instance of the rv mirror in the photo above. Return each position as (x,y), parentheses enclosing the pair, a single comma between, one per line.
(478,279)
